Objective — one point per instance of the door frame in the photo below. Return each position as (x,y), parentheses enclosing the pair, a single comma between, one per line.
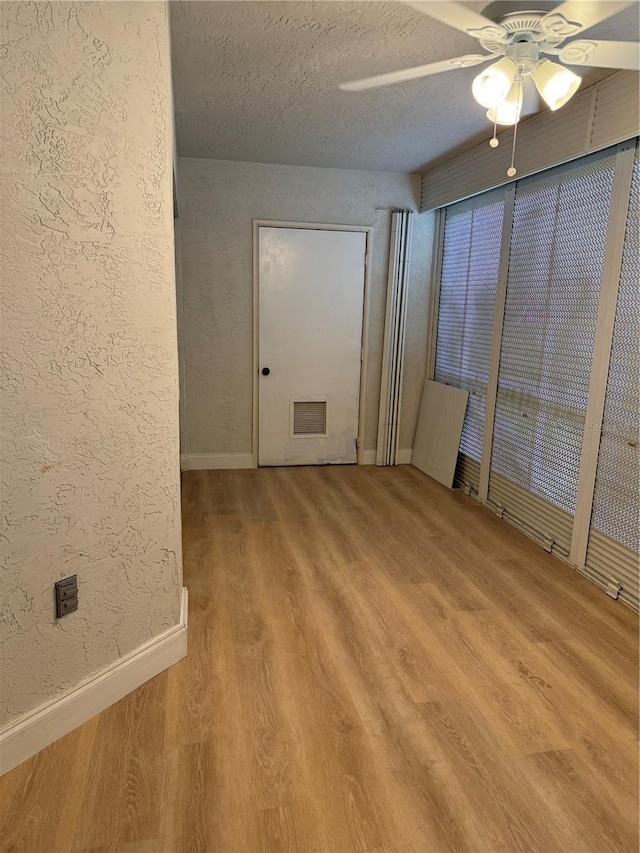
(312,226)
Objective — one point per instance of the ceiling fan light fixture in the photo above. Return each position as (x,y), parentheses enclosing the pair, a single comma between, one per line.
(555,83)
(492,85)
(507,112)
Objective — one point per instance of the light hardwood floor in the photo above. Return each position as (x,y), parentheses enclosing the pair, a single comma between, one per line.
(375,664)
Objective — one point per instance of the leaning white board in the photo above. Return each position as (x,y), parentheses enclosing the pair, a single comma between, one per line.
(435,449)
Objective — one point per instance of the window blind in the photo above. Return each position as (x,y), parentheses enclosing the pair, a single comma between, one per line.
(555,269)
(612,553)
(468,281)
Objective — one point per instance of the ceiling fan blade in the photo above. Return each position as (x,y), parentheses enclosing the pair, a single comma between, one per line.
(602,54)
(416,72)
(574,16)
(459,17)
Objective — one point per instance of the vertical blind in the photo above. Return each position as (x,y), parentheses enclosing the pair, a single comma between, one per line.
(555,269)
(469,274)
(394,335)
(554,272)
(613,548)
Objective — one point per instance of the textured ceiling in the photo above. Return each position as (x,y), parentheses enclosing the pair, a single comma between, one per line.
(257,81)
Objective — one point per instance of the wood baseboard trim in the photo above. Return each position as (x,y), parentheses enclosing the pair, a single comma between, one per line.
(404,456)
(35,730)
(213,461)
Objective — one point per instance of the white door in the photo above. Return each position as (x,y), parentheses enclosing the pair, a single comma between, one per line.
(311,293)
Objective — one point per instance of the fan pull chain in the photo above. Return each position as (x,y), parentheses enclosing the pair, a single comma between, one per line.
(494,141)
(511,171)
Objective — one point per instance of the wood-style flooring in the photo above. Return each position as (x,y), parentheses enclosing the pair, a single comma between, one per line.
(376,664)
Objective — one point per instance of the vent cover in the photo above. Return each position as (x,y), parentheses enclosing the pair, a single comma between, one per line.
(310,417)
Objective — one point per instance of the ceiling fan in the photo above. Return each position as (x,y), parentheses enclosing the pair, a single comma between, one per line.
(521,38)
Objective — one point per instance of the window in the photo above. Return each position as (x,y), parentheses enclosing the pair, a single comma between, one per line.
(614,541)
(540,386)
(556,261)
(468,281)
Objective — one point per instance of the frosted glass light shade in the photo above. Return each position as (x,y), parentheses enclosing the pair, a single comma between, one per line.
(555,83)
(492,85)
(508,111)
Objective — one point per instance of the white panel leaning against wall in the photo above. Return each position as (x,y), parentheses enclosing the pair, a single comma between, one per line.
(526,274)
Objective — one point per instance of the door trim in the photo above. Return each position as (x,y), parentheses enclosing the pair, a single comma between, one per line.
(314,226)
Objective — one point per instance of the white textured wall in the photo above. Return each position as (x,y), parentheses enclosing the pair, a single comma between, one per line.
(90,418)
(218,201)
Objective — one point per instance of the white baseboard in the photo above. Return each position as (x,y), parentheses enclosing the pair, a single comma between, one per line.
(211,461)
(30,733)
(404,456)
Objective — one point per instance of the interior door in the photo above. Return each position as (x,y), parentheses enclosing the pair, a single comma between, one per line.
(311,294)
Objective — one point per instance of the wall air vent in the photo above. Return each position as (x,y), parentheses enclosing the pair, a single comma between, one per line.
(309,417)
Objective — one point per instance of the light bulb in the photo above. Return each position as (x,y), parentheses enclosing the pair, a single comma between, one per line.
(508,111)
(492,85)
(555,83)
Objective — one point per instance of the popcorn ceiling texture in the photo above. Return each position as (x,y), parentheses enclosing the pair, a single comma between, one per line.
(90,480)
(258,81)
(218,201)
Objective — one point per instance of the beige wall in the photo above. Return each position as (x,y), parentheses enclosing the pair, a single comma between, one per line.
(89,408)
(218,201)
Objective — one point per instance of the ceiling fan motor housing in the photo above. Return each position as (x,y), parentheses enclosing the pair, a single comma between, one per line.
(518,28)
(525,54)
(500,9)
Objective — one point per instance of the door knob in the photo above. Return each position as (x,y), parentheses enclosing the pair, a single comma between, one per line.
(265,371)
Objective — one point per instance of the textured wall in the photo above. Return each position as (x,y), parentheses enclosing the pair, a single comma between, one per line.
(218,201)
(90,418)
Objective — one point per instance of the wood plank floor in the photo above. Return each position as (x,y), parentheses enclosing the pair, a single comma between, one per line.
(376,664)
